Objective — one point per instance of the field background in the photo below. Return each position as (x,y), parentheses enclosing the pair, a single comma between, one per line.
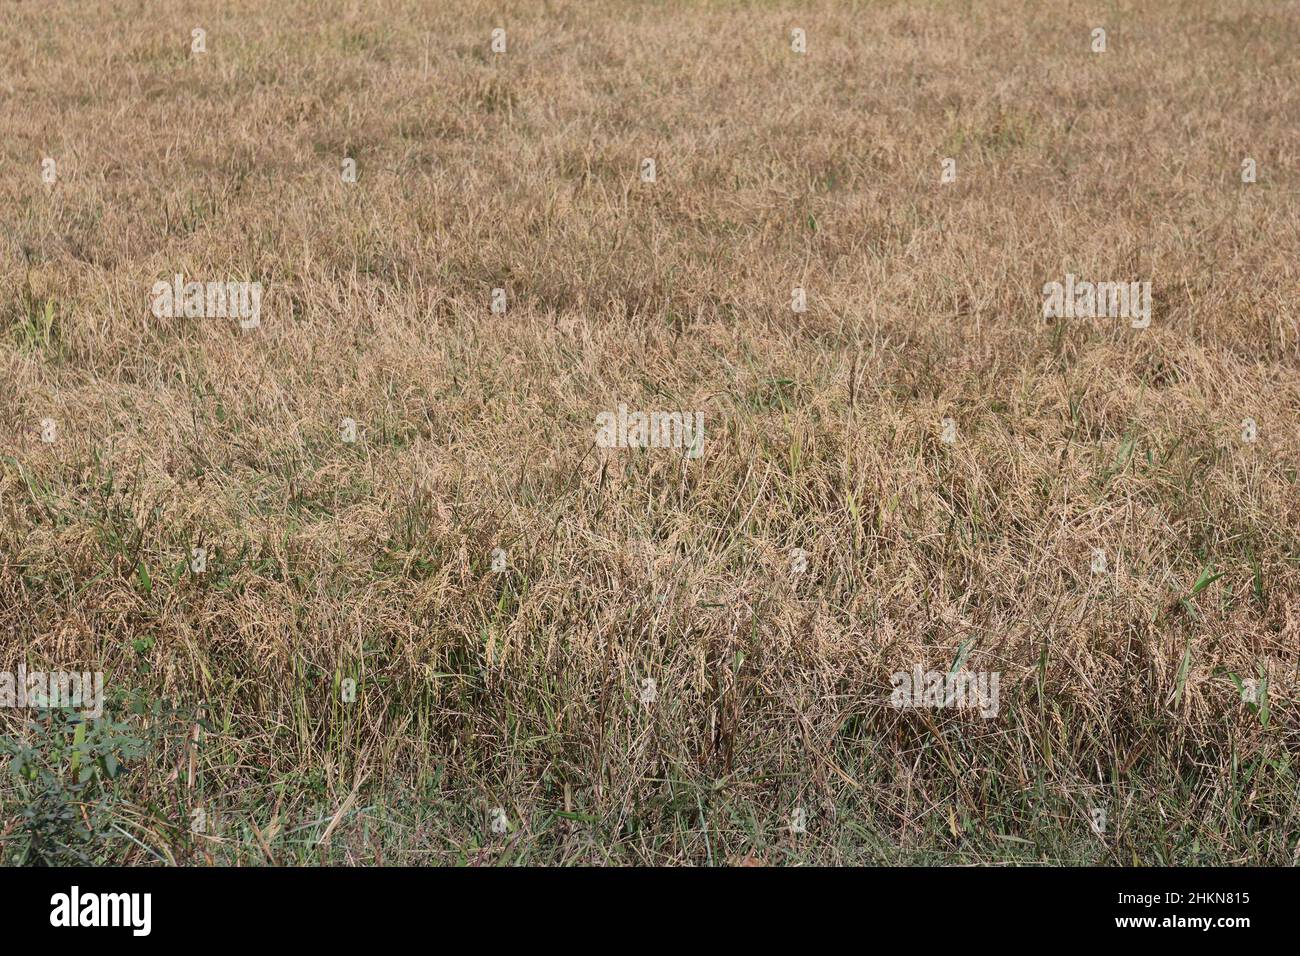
(521,690)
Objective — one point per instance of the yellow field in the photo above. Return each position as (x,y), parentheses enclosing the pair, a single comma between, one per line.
(677,659)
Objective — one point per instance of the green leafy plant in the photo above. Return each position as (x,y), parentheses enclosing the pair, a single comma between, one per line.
(62,770)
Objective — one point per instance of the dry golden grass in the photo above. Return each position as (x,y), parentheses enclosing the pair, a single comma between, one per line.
(774,170)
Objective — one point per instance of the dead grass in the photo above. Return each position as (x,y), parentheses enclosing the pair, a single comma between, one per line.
(521,690)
